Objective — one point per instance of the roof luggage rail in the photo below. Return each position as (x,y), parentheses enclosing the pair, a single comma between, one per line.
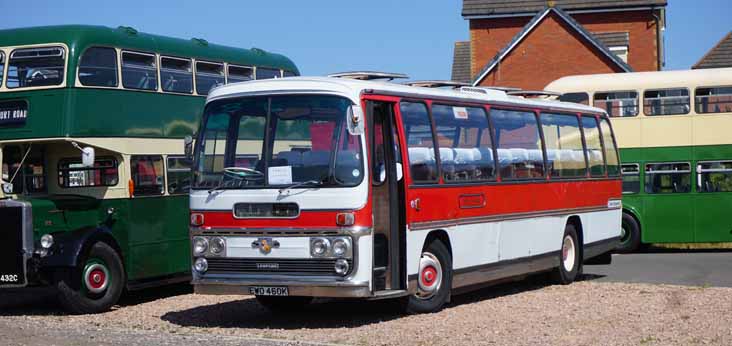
(368,75)
(437,84)
(534,93)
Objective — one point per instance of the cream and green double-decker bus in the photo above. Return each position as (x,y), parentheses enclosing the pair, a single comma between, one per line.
(94,177)
(674,130)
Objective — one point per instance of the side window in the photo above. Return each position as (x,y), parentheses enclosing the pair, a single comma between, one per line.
(98,67)
(240,74)
(519,144)
(564,151)
(668,178)
(2,67)
(179,175)
(631,178)
(71,173)
(176,75)
(666,102)
(715,176)
(267,73)
(147,175)
(714,100)
(581,98)
(611,154)
(464,139)
(286,73)
(35,67)
(618,103)
(208,75)
(593,148)
(420,143)
(139,71)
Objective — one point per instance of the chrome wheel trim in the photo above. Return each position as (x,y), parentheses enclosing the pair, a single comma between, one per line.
(568,253)
(92,278)
(429,276)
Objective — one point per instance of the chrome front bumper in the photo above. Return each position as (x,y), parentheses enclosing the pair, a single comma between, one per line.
(309,288)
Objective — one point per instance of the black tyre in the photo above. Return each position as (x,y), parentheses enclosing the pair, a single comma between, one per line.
(630,236)
(284,304)
(434,281)
(96,285)
(570,261)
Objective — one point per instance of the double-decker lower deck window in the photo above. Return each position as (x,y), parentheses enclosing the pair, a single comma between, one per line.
(618,103)
(420,142)
(714,176)
(564,150)
(714,100)
(176,75)
(35,67)
(668,178)
(208,75)
(518,140)
(179,175)
(71,173)
(147,175)
(139,71)
(464,139)
(666,102)
(593,146)
(631,178)
(98,67)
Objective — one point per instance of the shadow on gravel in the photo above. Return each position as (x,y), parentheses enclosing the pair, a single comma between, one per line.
(332,313)
(41,301)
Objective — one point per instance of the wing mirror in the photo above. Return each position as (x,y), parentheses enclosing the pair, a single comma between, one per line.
(87,157)
(355,120)
(188,147)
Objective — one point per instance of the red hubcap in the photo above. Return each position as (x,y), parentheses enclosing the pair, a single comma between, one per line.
(429,274)
(97,278)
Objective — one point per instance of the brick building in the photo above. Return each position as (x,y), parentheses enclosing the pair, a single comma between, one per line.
(719,56)
(530,43)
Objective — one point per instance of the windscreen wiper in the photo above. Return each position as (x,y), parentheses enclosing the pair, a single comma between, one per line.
(300,184)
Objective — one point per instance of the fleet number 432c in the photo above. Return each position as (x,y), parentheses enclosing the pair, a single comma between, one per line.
(8,278)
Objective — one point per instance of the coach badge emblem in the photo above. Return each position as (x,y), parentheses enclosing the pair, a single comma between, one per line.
(265,245)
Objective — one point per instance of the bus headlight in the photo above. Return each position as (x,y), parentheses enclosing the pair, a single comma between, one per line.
(201,265)
(341,247)
(46,241)
(200,245)
(341,266)
(319,247)
(217,246)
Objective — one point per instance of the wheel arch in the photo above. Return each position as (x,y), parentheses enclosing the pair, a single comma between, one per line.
(71,247)
(576,221)
(438,234)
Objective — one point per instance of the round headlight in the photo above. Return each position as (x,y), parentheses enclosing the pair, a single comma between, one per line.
(341,267)
(217,245)
(340,247)
(46,241)
(200,245)
(201,265)
(320,247)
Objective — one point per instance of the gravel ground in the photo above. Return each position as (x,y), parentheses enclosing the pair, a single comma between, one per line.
(523,313)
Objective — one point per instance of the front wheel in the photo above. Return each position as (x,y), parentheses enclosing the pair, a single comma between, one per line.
(434,283)
(570,263)
(96,285)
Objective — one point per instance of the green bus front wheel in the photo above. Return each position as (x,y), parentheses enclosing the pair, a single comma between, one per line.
(96,284)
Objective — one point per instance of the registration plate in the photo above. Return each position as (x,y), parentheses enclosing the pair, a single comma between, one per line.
(269,291)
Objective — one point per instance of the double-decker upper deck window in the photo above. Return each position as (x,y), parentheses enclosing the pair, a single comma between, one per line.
(2,66)
(631,178)
(564,150)
(611,154)
(139,71)
(618,103)
(71,173)
(420,142)
(240,74)
(267,73)
(715,176)
(286,73)
(35,67)
(519,144)
(593,148)
(714,100)
(208,75)
(666,102)
(176,75)
(98,67)
(581,98)
(464,139)
(668,178)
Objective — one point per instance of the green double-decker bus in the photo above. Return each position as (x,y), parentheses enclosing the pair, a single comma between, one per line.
(674,130)
(94,177)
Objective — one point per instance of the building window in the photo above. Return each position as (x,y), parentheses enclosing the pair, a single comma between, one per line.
(621,52)
(617,103)
(98,67)
(631,178)
(519,144)
(420,143)
(564,150)
(664,178)
(176,75)
(71,173)
(139,71)
(714,100)
(715,176)
(666,102)
(147,175)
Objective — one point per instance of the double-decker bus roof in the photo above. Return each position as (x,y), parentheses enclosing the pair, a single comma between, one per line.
(352,89)
(642,80)
(79,37)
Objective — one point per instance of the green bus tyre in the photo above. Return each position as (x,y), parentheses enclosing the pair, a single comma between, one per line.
(96,285)
(630,236)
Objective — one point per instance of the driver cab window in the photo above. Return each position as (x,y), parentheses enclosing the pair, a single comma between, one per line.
(31,177)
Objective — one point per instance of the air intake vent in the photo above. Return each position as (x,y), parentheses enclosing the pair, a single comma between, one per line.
(437,84)
(369,75)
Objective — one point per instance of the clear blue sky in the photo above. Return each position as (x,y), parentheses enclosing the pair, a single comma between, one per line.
(322,36)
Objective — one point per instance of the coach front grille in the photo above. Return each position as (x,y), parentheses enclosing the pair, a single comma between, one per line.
(12,252)
(304,267)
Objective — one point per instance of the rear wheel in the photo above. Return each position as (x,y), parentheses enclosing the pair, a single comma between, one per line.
(284,304)
(629,235)
(434,282)
(96,285)
(570,263)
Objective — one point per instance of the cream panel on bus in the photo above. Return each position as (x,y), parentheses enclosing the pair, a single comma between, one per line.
(666,131)
(627,131)
(712,129)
